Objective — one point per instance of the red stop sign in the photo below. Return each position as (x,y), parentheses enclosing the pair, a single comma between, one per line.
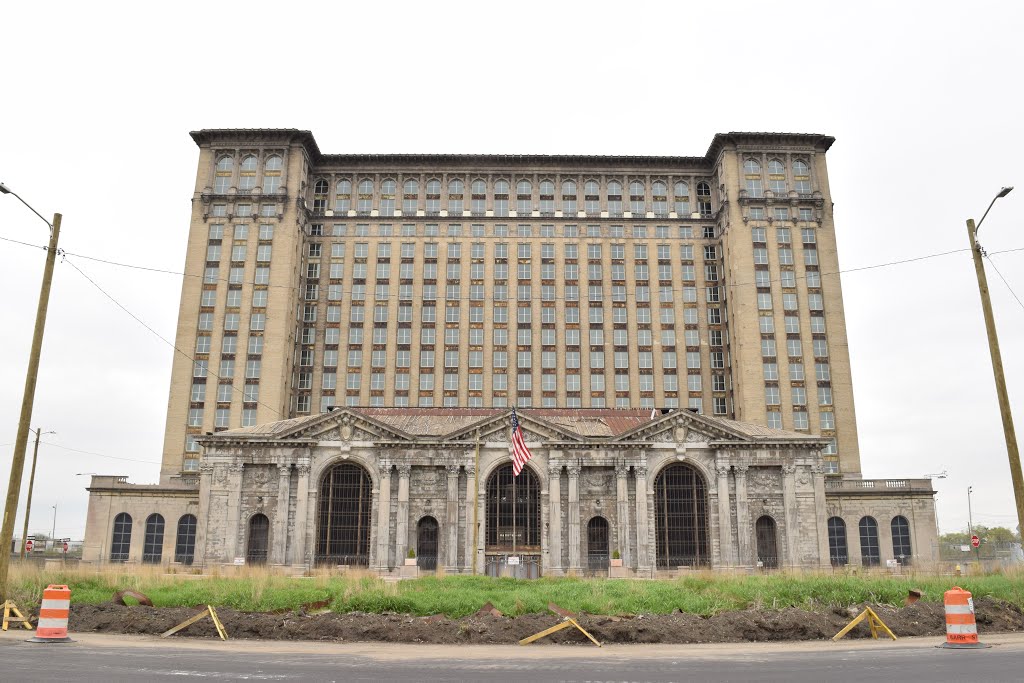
(975,541)
(65,547)
(28,546)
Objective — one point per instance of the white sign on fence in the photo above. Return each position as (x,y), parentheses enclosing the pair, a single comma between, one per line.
(513,560)
(965,548)
(239,560)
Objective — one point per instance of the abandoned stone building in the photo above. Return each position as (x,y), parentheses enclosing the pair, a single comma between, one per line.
(659,489)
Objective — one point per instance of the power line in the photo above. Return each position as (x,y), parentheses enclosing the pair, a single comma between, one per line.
(161,337)
(1019,302)
(101,455)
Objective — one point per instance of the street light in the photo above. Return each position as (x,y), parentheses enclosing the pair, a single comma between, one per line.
(997,362)
(21,442)
(31,485)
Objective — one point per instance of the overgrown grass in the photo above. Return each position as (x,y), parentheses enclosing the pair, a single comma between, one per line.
(456,596)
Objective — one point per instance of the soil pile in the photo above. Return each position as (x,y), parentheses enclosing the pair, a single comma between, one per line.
(920,619)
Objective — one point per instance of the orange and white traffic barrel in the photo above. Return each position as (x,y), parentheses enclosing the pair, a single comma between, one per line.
(961,627)
(53,616)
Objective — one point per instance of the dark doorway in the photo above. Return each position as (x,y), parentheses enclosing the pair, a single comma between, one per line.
(426,543)
(343,530)
(513,510)
(767,542)
(597,544)
(681,517)
(259,540)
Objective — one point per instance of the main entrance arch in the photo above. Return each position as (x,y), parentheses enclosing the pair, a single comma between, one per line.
(513,523)
(681,517)
(343,516)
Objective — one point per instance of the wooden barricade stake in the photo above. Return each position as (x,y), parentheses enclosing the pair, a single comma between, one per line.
(566,623)
(9,608)
(874,623)
(208,612)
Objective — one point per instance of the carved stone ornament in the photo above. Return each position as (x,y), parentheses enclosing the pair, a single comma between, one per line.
(804,478)
(453,470)
(346,432)
(788,468)
(404,469)
(573,470)
(680,434)
(764,480)
(640,471)
(220,475)
(554,470)
(260,476)
(741,470)
(622,470)
(303,469)
(385,470)
(696,437)
(597,480)
(722,470)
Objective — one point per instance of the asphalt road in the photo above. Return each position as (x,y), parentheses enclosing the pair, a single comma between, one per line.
(127,658)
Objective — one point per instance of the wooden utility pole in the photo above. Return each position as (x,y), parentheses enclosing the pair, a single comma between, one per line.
(28,500)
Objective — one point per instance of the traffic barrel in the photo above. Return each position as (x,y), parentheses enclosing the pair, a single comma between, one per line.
(53,616)
(961,628)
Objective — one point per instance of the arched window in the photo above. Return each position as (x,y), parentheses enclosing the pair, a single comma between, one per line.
(524,187)
(659,194)
(501,190)
(222,181)
(513,511)
(801,177)
(776,177)
(547,197)
(682,197)
(410,197)
(592,197)
(901,549)
(752,178)
(479,187)
(569,198)
(185,541)
(364,197)
(704,200)
(411,187)
(247,173)
(388,188)
(766,536)
(591,188)
(426,543)
(320,196)
(501,187)
(365,186)
(153,547)
(614,198)
(343,196)
(597,544)
(681,517)
(838,552)
(869,551)
(121,542)
(775,167)
(455,186)
(258,541)
(659,189)
(344,506)
(456,201)
(272,174)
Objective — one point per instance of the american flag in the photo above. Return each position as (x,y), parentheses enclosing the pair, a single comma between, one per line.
(520,453)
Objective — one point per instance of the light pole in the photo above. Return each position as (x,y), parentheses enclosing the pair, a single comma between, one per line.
(997,362)
(970,526)
(31,485)
(21,441)
(53,531)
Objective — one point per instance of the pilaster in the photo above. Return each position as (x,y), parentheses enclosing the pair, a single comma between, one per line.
(203,518)
(234,512)
(622,512)
(452,519)
(574,518)
(381,561)
(726,551)
(555,519)
(402,513)
(278,540)
(470,563)
(790,505)
(643,535)
(302,553)
(744,557)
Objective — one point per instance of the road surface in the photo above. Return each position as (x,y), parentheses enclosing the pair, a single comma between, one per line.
(103,658)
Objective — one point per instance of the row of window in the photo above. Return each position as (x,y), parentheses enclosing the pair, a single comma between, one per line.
(499,198)
(244,177)
(776,176)
(570,231)
(153,540)
(870,552)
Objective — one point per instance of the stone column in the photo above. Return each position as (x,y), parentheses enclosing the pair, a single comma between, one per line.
(452,519)
(622,512)
(233,531)
(792,523)
(821,516)
(726,552)
(574,518)
(381,561)
(402,514)
(471,555)
(643,535)
(744,557)
(302,552)
(555,519)
(279,539)
(203,518)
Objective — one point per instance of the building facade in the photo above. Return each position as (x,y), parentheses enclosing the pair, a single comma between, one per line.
(358,326)
(705,282)
(662,491)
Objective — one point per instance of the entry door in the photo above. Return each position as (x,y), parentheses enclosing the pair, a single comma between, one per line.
(426,543)
(597,544)
(767,546)
(259,534)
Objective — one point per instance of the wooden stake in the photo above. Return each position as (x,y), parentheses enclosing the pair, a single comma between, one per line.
(9,607)
(208,612)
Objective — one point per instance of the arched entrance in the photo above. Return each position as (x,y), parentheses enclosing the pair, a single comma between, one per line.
(597,544)
(513,523)
(681,517)
(767,542)
(259,539)
(426,543)
(343,516)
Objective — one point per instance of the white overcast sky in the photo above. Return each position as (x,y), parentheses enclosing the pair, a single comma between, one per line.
(924,98)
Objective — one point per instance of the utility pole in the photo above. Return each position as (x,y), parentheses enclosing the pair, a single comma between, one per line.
(21,441)
(31,484)
(970,528)
(997,364)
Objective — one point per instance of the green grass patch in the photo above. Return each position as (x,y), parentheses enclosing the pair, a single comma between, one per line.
(456,596)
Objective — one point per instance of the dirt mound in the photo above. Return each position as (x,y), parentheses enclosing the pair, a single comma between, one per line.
(920,619)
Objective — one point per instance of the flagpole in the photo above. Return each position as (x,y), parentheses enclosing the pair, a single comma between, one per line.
(513,498)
